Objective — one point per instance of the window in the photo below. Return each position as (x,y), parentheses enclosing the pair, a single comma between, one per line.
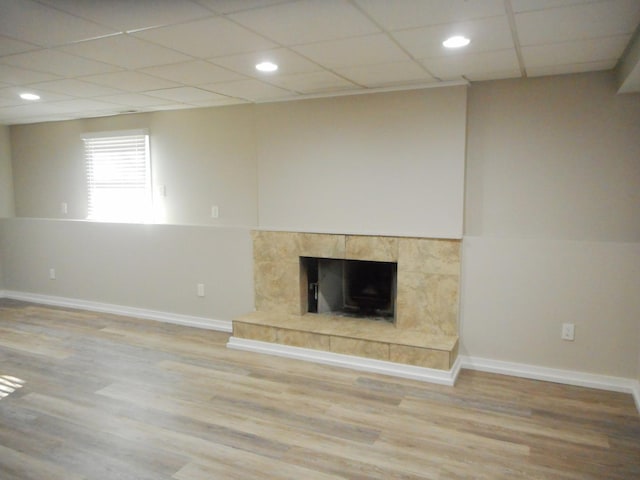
(119,176)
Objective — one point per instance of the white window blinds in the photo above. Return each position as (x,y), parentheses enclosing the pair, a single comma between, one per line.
(119,176)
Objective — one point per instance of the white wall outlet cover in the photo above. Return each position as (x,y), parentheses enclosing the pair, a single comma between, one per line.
(568,331)
(215,211)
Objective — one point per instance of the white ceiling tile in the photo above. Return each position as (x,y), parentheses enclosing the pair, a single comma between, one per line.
(416,13)
(189,48)
(571,68)
(41,118)
(132,15)
(222,101)
(529,5)
(58,63)
(77,88)
(212,37)
(288,62)
(133,100)
(386,74)
(194,73)
(44,95)
(307,21)
(593,50)
(9,46)
(602,19)
(486,75)
(84,104)
(9,101)
(471,64)
(35,23)
(231,6)
(125,51)
(31,110)
(22,76)
(485,35)
(130,81)
(55,108)
(313,82)
(249,89)
(168,106)
(185,94)
(357,51)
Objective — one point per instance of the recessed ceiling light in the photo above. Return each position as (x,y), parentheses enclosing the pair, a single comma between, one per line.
(29,96)
(456,41)
(266,67)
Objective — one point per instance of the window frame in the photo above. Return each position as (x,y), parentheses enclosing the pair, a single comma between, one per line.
(96,210)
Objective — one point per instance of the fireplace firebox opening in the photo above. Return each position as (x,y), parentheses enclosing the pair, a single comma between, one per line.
(353,288)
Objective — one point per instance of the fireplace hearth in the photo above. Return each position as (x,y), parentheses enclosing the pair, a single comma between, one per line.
(410,284)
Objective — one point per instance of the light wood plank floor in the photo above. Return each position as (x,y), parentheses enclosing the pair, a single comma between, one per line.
(96,396)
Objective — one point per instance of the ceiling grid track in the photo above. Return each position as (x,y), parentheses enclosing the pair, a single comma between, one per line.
(514,34)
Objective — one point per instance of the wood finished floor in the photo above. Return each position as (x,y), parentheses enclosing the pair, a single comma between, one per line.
(96,396)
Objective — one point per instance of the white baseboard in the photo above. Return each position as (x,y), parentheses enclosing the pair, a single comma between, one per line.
(442,377)
(568,377)
(186,320)
(636,394)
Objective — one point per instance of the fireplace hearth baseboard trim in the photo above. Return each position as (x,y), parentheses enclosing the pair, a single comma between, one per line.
(442,377)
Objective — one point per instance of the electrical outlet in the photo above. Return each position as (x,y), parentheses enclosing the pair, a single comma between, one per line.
(52,274)
(200,289)
(568,331)
(64,208)
(215,211)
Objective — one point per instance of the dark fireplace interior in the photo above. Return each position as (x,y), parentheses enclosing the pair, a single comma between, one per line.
(354,288)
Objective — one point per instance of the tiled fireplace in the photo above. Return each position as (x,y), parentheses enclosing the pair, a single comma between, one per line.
(423,330)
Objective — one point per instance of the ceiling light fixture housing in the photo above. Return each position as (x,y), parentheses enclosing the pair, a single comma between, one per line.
(29,96)
(266,67)
(457,41)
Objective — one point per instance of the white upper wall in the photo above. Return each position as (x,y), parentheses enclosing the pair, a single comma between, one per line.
(390,163)
(555,158)
(202,157)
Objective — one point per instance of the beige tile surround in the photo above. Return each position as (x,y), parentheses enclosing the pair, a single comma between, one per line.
(425,332)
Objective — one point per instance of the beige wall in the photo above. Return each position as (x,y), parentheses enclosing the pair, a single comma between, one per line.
(6,176)
(6,185)
(554,157)
(516,293)
(389,163)
(552,195)
(154,267)
(552,231)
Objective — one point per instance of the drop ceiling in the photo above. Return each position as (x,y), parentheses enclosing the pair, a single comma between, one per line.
(88,58)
